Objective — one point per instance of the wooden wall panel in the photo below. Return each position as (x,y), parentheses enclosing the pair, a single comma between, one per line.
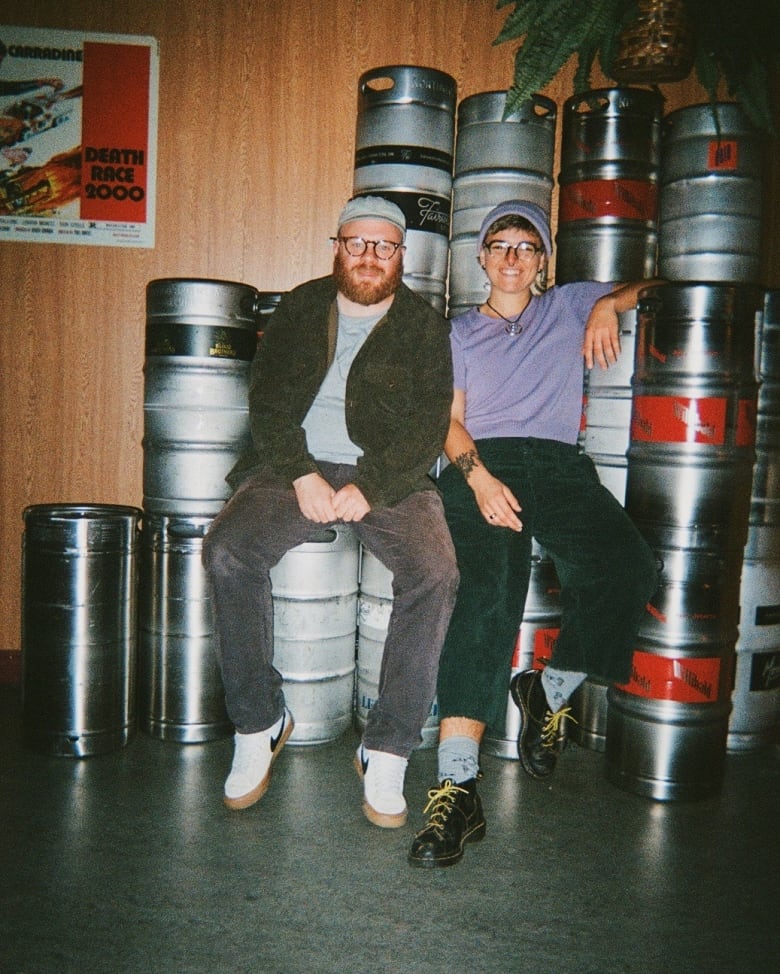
(257,114)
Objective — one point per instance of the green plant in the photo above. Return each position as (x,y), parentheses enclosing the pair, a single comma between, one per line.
(735,43)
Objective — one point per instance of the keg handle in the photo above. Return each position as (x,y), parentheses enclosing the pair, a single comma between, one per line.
(542,107)
(188,528)
(323,536)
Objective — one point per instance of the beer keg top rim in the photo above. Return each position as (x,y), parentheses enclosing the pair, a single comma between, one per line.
(529,211)
(373,208)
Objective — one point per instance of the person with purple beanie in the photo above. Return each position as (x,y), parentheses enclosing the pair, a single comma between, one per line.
(516,474)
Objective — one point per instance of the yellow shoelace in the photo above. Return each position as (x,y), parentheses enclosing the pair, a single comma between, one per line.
(553,725)
(440,801)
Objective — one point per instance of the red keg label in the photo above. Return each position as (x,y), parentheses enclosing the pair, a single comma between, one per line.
(630,199)
(666,678)
(723,154)
(543,645)
(677,419)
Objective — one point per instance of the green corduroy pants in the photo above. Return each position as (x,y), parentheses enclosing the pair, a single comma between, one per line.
(606,570)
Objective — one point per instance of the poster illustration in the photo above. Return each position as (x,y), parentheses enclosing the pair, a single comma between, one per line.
(78,137)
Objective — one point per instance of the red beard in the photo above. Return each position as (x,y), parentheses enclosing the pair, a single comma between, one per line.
(363,288)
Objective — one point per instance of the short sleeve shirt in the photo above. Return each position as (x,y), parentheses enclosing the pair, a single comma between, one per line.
(529,384)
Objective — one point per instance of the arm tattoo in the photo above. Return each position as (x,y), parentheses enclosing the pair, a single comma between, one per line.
(466,462)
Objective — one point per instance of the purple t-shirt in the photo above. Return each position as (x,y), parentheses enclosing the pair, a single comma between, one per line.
(529,384)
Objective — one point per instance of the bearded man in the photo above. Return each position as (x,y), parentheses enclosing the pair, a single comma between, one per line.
(349,406)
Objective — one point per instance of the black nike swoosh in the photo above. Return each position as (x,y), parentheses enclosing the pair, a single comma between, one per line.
(275,740)
(363,761)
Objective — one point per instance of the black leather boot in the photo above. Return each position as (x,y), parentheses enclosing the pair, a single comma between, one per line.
(455,819)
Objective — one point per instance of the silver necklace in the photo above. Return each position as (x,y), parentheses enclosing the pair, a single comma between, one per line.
(513,326)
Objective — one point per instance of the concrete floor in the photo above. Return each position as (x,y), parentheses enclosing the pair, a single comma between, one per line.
(127,863)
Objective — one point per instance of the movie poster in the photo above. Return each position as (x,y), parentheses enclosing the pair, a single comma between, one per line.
(78,137)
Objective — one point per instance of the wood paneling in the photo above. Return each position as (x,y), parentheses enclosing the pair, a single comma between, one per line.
(256,139)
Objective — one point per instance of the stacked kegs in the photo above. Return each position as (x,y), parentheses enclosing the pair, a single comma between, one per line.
(539,629)
(688,489)
(608,199)
(79,579)
(375,604)
(200,339)
(403,152)
(755,714)
(608,411)
(315,589)
(496,159)
(710,196)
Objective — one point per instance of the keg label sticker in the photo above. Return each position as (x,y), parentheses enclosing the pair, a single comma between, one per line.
(767,615)
(723,155)
(765,671)
(690,680)
(200,341)
(629,199)
(676,419)
(403,155)
(423,211)
(543,643)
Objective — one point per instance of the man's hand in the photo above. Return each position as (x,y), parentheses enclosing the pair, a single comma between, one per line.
(315,498)
(350,504)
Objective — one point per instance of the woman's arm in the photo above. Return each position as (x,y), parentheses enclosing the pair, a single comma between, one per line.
(496,502)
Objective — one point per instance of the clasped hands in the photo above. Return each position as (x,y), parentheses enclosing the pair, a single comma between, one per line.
(319,501)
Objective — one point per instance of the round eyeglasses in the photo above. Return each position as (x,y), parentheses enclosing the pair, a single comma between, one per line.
(357,246)
(525,251)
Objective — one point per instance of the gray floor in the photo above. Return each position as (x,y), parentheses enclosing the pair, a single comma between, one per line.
(128,862)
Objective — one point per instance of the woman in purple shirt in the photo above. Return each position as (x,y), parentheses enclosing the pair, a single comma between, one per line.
(516,474)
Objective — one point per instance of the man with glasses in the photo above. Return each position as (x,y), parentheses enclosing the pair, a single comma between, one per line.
(517,474)
(349,405)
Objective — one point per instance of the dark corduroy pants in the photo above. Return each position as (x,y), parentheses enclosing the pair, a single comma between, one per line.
(250,535)
(606,570)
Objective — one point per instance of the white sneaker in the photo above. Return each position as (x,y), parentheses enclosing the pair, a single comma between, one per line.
(383,787)
(253,759)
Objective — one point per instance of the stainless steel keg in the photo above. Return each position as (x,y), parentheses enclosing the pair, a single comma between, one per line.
(688,489)
(710,196)
(180,692)
(375,605)
(403,151)
(200,339)
(755,714)
(315,589)
(496,159)
(608,186)
(79,592)
(607,432)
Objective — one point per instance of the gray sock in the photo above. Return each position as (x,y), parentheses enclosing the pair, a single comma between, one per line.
(559,685)
(458,759)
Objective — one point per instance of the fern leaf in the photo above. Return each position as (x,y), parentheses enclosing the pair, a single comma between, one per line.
(518,23)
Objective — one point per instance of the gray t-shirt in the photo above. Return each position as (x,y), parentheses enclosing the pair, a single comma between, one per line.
(325,423)
(529,384)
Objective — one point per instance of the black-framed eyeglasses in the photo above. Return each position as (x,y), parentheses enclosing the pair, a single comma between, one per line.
(524,251)
(357,246)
